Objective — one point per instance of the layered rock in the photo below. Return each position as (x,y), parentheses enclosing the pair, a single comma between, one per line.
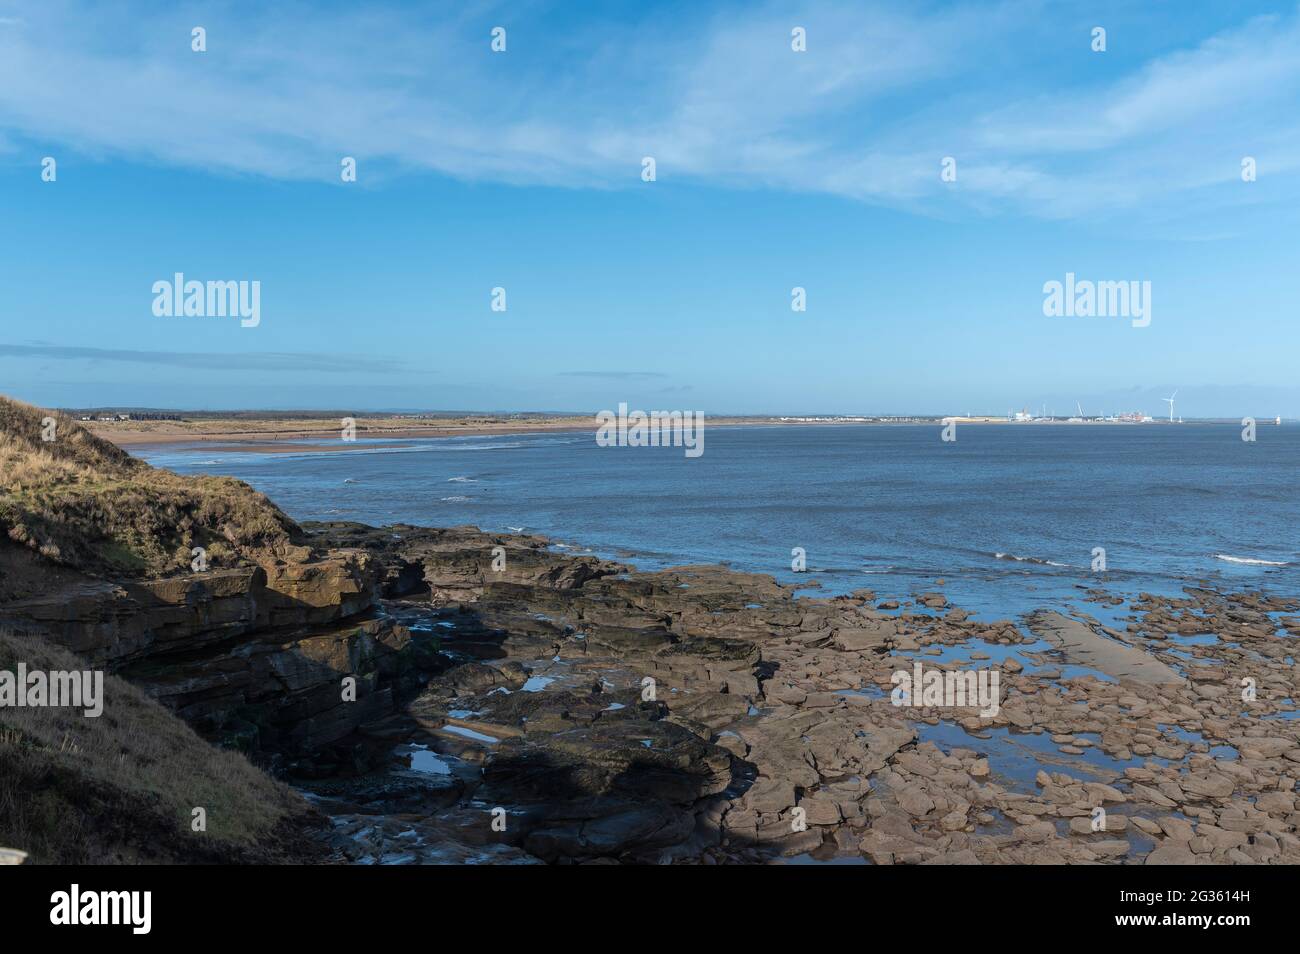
(458,563)
(566,708)
(115,624)
(766,729)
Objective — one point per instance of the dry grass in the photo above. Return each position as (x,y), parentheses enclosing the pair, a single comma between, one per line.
(83,502)
(120,788)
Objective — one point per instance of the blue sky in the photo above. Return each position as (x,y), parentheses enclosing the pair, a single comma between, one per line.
(775,169)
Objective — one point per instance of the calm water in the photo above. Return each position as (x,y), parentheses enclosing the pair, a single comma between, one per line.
(892,508)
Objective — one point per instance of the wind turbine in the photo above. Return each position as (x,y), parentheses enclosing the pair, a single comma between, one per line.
(1170,399)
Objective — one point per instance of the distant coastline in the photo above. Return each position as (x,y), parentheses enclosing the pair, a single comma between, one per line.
(301,434)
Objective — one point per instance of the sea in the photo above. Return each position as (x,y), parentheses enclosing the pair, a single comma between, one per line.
(1009,517)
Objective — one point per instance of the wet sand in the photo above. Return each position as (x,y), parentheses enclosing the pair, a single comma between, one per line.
(290,440)
(284,436)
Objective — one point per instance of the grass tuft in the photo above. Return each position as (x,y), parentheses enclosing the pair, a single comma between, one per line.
(121,788)
(82,502)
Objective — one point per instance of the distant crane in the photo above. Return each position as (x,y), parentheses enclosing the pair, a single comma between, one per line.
(1170,401)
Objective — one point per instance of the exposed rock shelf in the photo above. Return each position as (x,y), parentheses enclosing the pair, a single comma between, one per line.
(517,704)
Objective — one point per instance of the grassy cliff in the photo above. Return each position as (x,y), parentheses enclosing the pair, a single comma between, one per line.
(82,502)
(122,787)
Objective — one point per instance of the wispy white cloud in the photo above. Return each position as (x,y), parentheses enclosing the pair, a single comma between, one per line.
(260,361)
(884,92)
(616,375)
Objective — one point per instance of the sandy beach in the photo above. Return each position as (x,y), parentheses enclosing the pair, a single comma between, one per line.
(282,434)
(291,435)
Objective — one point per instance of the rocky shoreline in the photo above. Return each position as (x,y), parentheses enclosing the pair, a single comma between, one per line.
(768,731)
(518,704)
(455,695)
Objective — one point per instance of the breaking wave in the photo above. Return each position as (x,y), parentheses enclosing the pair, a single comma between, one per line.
(1249,561)
(1027,559)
